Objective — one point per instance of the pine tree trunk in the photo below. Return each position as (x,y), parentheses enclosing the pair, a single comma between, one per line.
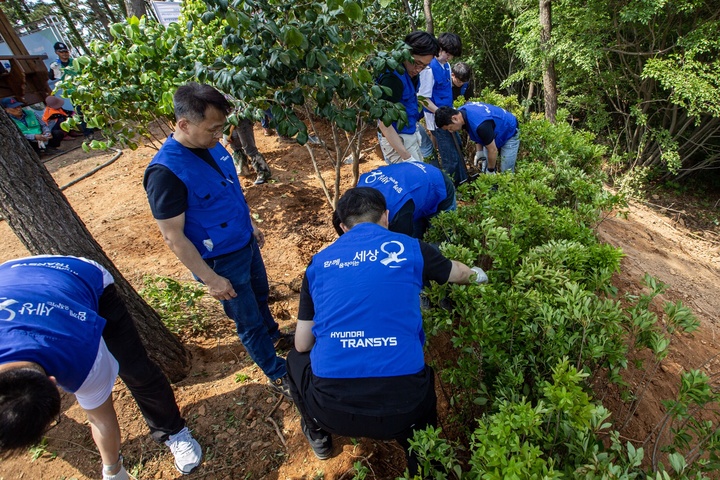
(135,8)
(101,16)
(79,42)
(41,217)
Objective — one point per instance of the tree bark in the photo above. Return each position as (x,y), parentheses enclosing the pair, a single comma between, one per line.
(429,25)
(71,25)
(45,223)
(135,8)
(549,78)
(408,10)
(101,16)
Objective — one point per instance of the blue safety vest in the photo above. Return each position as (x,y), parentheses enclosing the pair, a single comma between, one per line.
(365,289)
(505,122)
(442,84)
(420,182)
(410,102)
(48,315)
(217,219)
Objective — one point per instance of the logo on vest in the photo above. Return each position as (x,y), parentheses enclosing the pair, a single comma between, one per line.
(357,339)
(379,176)
(393,254)
(7,314)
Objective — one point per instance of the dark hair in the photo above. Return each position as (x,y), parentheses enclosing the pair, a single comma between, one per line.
(462,71)
(192,100)
(336,223)
(451,43)
(29,401)
(443,116)
(361,204)
(422,43)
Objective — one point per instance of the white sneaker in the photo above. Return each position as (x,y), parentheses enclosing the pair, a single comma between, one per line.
(186,450)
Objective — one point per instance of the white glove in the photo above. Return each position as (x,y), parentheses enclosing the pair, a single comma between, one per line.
(479,157)
(488,171)
(480,275)
(57,71)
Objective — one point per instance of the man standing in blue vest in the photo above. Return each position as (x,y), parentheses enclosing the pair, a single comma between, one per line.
(196,199)
(488,126)
(401,144)
(414,193)
(436,89)
(62,323)
(358,367)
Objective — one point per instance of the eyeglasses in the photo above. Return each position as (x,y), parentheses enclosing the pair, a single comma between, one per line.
(419,65)
(215,132)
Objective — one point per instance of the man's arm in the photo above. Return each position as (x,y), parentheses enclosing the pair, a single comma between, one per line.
(460,273)
(173,233)
(492,154)
(304,338)
(427,83)
(393,138)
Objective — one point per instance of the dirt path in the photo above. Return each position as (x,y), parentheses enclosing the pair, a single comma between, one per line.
(224,397)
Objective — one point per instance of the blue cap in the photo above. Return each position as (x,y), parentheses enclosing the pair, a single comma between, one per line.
(11,102)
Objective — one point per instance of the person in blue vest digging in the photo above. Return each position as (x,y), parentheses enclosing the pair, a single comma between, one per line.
(63,323)
(488,126)
(358,366)
(414,192)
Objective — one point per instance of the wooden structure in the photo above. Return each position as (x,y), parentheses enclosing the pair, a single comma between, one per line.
(27,79)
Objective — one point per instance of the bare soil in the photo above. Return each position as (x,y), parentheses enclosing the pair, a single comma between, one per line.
(246,431)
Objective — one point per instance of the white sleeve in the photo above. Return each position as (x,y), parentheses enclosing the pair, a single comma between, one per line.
(427,82)
(99,383)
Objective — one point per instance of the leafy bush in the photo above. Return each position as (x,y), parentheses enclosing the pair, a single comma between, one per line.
(522,344)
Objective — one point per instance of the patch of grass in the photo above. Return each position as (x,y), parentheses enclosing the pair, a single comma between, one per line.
(177,303)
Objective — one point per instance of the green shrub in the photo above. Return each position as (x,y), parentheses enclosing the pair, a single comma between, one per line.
(176,302)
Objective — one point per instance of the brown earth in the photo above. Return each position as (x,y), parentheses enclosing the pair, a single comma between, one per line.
(246,431)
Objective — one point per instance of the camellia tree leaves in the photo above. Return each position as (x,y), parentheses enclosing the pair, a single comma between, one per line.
(301,63)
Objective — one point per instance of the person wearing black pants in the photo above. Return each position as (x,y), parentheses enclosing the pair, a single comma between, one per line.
(358,366)
(63,324)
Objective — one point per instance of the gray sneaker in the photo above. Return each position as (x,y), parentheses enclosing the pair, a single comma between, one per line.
(186,450)
(281,386)
(320,441)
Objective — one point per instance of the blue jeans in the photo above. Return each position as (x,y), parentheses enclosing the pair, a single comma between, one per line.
(256,326)
(450,156)
(509,152)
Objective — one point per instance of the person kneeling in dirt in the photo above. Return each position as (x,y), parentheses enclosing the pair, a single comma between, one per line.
(242,140)
(63,323)
(414,192)
(196,199)
(358,368)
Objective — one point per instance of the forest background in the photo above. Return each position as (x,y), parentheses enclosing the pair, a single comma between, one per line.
(621,92)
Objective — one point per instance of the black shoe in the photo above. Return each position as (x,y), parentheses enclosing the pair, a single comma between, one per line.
(281,386)
(320,441)
(285,341)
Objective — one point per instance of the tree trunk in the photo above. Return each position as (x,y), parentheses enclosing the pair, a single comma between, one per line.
(135,8)
(101,16)
(429,26)
(549,78)
(71,25)
(408,10)
(43,220)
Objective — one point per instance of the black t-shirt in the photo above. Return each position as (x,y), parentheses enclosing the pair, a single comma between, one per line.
(486,130)
(469,91)
(166,193)
(378,395)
